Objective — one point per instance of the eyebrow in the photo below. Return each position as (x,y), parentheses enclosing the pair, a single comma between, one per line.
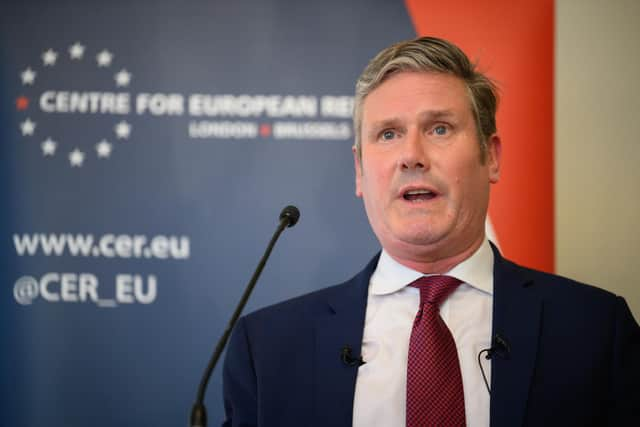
(437,114)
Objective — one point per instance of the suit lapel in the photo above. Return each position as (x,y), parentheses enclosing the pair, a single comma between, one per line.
(341,326)
(517,311)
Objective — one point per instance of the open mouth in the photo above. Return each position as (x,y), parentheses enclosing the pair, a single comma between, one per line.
(418,195)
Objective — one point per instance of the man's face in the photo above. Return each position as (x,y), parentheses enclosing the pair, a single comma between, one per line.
(424,187)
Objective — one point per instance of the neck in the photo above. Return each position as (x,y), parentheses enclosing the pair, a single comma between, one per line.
(428,263)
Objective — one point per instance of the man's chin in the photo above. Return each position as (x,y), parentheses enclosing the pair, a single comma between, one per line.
(418,241)
(420,232)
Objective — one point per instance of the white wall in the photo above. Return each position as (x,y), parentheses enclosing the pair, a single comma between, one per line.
(597,140)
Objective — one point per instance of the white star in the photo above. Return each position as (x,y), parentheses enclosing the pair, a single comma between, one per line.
(123,77)
(123,129)
(76,158)
(104,58)
(103,148)
(28,76)
(49,57)
(48,147)
(27,127)
(76,51)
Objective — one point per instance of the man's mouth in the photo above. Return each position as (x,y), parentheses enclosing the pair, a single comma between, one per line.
(418,195)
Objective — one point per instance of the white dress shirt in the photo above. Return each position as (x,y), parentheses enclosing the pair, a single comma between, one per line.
(380,396)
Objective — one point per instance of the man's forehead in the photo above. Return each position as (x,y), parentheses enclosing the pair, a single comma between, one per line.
(418,79)
(427,95)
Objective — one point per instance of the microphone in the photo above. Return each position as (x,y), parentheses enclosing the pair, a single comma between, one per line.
(291,214)
(499,347)
(347,357)
(288,218)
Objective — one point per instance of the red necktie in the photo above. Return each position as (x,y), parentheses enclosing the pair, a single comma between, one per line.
(434,383)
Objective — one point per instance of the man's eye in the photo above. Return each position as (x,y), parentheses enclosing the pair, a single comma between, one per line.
(440,130)
(388,134)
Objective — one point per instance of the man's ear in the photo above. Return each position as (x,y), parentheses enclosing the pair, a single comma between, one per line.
(357,166)
(494,156)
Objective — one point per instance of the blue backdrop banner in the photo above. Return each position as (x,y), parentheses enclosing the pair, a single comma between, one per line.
(147,149)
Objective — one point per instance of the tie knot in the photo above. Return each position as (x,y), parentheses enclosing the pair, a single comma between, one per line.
(435,289)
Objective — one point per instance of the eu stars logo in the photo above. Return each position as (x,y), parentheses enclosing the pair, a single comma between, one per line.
(36,102)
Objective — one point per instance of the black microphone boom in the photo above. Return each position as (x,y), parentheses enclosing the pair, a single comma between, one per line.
(288,218)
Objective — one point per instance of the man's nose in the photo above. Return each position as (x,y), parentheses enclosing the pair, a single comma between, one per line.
(414,153)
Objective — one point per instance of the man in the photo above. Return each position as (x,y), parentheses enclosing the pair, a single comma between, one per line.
(404,341)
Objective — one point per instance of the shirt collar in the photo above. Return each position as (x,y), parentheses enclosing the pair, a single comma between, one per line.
(477,271)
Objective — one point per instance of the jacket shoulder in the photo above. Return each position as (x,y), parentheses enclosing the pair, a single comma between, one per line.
(302,305)
(555,286)
(320,302)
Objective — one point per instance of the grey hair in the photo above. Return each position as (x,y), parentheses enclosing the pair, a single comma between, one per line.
(434,55)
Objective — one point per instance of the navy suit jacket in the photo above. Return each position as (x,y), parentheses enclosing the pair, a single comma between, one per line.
(573,361)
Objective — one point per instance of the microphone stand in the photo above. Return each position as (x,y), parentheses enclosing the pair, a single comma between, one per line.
(288,218)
